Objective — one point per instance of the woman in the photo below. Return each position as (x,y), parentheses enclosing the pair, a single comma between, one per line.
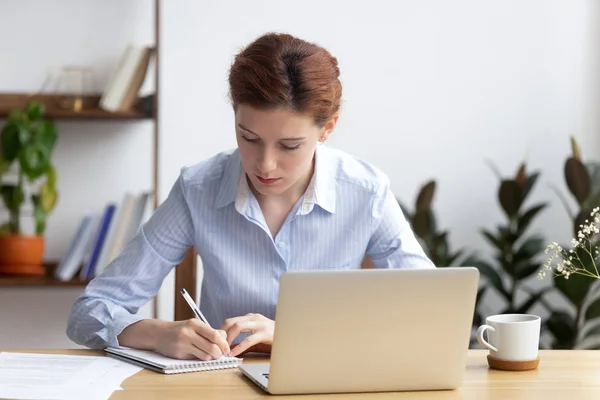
(278,202)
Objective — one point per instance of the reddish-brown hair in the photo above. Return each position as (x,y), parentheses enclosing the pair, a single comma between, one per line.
(281,71)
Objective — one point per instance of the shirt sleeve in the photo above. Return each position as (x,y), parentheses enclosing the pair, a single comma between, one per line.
(110,301)
(393,243)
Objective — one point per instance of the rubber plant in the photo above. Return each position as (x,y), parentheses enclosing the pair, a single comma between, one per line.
(27,142)
(516,254)
(435,243)
(576,265)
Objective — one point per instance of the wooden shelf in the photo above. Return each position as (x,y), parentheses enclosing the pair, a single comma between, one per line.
(39,281)
(89,111)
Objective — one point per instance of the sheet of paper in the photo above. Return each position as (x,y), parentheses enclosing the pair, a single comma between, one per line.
(50,376)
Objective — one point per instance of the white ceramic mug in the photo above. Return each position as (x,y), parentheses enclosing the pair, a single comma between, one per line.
(511,337)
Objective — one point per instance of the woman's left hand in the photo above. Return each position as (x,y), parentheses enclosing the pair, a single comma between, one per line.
(261,327)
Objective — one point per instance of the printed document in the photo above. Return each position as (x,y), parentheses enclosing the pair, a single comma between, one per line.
(57,376)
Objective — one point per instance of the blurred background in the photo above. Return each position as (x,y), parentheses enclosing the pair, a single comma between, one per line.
(464,94)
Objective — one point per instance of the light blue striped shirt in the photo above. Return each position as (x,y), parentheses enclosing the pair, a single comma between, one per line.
(347,210)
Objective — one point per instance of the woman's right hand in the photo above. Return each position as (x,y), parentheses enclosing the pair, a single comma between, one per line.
(191,339)
(186,340)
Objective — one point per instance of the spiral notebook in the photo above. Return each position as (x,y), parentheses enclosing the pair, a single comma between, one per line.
(157,362)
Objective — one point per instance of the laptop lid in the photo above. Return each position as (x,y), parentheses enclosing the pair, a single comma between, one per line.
(372,330)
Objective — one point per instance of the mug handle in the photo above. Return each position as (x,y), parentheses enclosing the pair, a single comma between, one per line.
(480,338)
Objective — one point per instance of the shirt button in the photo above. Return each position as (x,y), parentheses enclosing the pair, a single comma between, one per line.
(281,244)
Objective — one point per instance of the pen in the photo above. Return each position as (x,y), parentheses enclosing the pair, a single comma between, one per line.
(193,306)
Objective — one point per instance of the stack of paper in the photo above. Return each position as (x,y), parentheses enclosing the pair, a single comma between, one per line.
(52,376)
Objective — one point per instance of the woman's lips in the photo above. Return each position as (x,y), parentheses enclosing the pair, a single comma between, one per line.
(267,181)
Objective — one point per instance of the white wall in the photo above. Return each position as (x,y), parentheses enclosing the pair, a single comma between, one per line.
(431,89)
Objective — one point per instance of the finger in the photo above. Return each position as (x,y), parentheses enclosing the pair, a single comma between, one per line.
(196,352)
(242,326)
(228,323)
(206,346)
(211,336)
(247,343)
(248,317)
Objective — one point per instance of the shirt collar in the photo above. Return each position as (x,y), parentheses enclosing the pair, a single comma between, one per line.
(228,187)
(320,191)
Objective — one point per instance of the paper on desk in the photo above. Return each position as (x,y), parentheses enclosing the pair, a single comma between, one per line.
(54,376)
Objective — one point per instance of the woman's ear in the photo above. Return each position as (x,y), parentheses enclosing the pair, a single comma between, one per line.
(328,128)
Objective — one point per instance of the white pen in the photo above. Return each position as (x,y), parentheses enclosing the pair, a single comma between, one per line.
(193,306)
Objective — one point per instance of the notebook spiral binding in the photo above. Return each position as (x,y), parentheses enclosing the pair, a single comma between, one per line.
(206,365)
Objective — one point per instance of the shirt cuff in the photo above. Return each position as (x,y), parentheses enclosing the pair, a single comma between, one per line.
(115,328)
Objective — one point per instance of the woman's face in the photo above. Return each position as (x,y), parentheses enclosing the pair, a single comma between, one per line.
(277,147)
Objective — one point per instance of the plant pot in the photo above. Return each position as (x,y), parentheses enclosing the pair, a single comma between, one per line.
(22,255)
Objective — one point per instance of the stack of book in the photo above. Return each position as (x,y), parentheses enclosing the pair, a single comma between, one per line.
(101,237)
(125,82)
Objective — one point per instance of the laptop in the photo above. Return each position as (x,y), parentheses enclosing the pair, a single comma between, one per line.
(374,330)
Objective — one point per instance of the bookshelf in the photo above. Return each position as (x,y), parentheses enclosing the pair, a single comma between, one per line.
(37,281)
(185,272)
(91,111)
(144,109)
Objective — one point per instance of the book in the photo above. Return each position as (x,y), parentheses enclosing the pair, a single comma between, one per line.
(127,78)
(166,365)
(87,271)
(72,261)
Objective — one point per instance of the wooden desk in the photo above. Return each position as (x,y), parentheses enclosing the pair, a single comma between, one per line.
(566,374)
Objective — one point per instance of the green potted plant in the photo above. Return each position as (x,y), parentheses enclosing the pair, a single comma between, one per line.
(575,266)
(27,141)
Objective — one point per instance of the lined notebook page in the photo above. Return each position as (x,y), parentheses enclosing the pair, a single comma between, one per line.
(171,365)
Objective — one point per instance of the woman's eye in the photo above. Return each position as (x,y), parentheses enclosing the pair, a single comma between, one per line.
(296,147)
(247,139)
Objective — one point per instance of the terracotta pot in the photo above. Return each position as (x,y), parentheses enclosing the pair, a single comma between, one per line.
(22,255)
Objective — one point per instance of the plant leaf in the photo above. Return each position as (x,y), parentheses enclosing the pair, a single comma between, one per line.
(51,172)
(525,219)
(35,160)
(575,288)
(9,142)
(590,307)
(425,197)
(594,172)
(525,270)
(562,327)
(39,215)
(12,196)
(48,197)
(477,317)
(452,258)
(422,223)
(46,135)
(590,328)
(521,177)
(575,149)
(497,243)
(35,110)
(530,248)
(510,196)
(533,299)
(490,273)
(578,179)
(531,179)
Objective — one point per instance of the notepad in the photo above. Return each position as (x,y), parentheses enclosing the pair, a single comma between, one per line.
(166,365)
